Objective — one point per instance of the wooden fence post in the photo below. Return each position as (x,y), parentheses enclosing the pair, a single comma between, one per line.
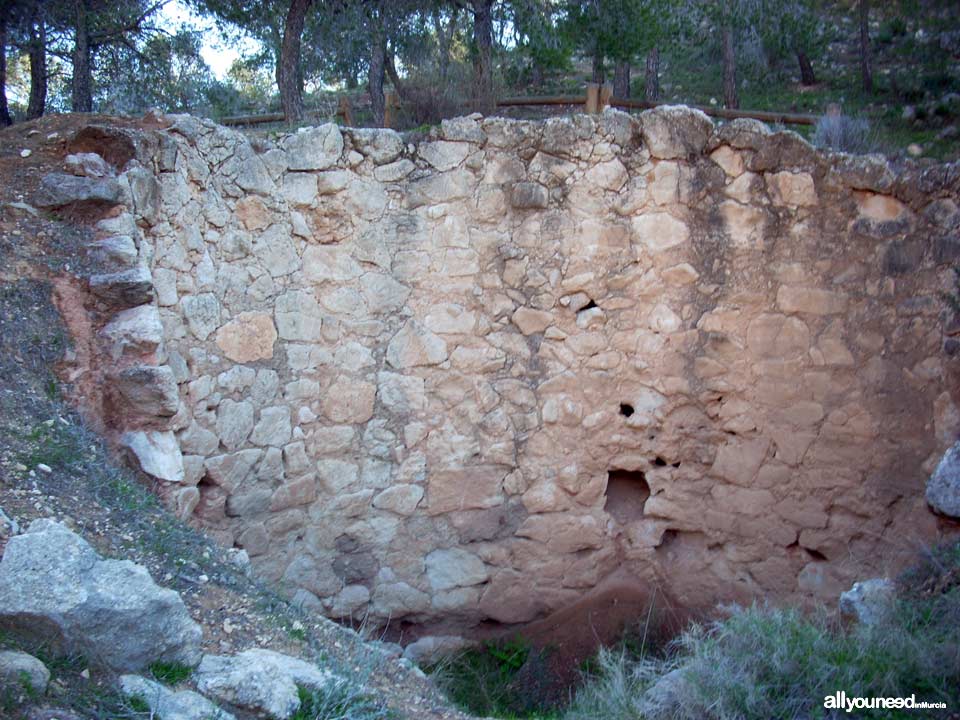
(391,102)
(606,92)
(592,104)
(344,111)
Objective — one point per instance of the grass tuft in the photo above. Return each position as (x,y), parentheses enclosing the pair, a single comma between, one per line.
(170,673)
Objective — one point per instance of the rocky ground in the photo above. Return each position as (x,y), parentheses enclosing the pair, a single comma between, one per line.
(53,466)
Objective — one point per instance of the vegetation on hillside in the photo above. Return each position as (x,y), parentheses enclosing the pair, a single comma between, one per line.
(758,663)
(893,66)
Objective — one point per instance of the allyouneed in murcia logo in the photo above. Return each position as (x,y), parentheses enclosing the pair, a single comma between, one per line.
(841,701)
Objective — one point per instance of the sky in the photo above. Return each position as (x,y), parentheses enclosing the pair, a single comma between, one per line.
(215,52)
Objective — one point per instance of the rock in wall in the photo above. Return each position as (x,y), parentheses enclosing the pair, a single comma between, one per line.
(474,378)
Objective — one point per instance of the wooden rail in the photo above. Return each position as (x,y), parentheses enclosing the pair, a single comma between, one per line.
(595,99)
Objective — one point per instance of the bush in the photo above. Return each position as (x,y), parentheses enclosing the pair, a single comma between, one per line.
(499,678)
(763,662)
(843,133)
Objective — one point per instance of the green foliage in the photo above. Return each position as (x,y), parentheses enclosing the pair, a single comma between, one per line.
(765,662)
(487,680)
(51,443)
(170,673)
(340,701)
(952,298)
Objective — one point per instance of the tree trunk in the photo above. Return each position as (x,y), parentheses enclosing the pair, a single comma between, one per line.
(807,76)
(537,74)
(598,75)
(4,110)
(730,97)
(651,80)
(391,68)
(375,71)
(444,41)
(866,72)
(81,85)
(38,68)
(483,58)
(288,73)
(621,79)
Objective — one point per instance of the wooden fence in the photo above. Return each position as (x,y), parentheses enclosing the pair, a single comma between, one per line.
(593,101)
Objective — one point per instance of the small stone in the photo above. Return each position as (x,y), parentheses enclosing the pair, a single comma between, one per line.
(20,671)
(25,153)
(44,468)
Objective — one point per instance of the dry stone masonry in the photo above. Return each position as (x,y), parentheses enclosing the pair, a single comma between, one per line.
(477,378)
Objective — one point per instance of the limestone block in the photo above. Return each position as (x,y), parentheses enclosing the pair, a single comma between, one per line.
(401,394)
(659,231)
(444,155)
(529,195)
(298,316)
(610,175)
(273,427)
(349,401)
(414,346)
(394,172)
(778,336)
(814,301)
(450,319)
(157,453)
(170,705)
(401,499)
(247,337)
(448,569)
(562,532)
(531,321)
(465,488)
(299,189)
(745,223)
(124,289)
(202,313)
(148,390)
(380,145)
(234,422)
(792,189)
(729,159)
(739,460)
(674,131)
(314,148)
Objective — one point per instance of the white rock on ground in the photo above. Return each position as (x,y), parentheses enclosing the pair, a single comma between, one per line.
(428,650)
(663,697)
(260,680)
(54,586)
(170,705)
(869,601)
(943,487)
(18,669)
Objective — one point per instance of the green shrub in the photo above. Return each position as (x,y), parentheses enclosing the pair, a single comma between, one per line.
(342,701)
(763,662)
(502,678)
(170,673)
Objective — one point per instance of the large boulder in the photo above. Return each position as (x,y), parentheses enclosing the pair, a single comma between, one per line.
(675,131)
(59,190)
(55,587)
(260,680)
(943,487)
(170,705)
(868,602)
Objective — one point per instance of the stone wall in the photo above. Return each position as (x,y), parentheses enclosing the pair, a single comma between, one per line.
(477,378)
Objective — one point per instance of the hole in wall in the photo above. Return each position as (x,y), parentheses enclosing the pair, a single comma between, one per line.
(660,462)
(626,409)
(589,306)
(627,492)
(815,554)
